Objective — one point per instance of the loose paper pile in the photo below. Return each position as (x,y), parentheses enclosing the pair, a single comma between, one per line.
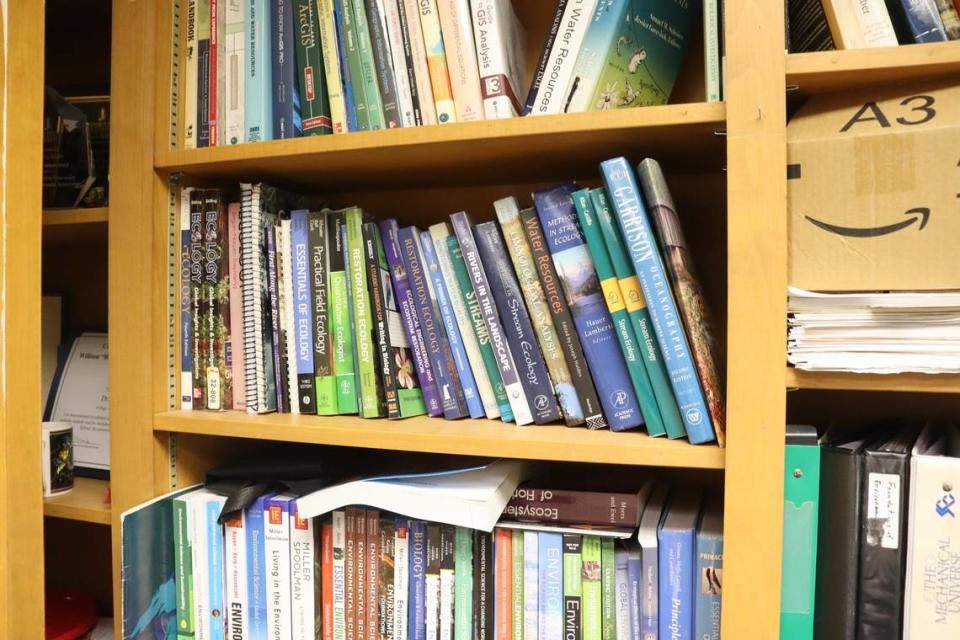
(874,332)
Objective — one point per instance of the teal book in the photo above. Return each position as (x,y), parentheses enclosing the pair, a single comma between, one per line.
(613,296)
(463,584)
(353,72)
(368,68)
(639,315)
(801,509)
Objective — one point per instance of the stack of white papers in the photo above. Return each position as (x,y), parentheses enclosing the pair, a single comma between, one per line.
(874,332)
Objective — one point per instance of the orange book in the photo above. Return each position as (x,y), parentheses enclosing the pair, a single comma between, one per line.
(503,547)
(326,580)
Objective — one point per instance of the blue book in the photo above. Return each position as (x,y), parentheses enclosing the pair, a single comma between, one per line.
(257,569)
(439,289)
(186,321)
(516,323)
(215,566)
(677,560)
(258,83)
(641,240)
(303,310)
(916,21)
(348,96)
(441,358)
(550,577)
(581,287)
(634,577)
(417,624)
(287,122)
(709,570)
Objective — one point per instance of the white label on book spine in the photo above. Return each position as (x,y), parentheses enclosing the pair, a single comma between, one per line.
(883,510)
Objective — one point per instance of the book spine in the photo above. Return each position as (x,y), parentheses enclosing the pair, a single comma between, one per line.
(572,587)
(604,22)
(198,300)
(508,214)
(571,257)
(438,290)
(350,574)
(288,325)
(339,576)
(502,565)
(190,78)
(234,43)
(386,587)
(351,62)
(622,594)
(360,576)
(218,375)
(505,360)
(592,617)
(324,381)
(341,331)
(650,592)
(203,73)
(286,96)
(385,367)
(608,589)
(437,62)
(216,15)
(256,570)
(411,320)
(329,52)
(416,629)
(311,78)
(415,52)
(676,583)
(235,346)
(920,20)
(548,40)
(302,310)
(201,566)
(258,81)
(500,40)
(236,606)
(275,288)
(516,319)
(634,579)
(475,318)
(215,560)
(563,506)
(531,586)
(186,305)
(483,623)
(401,579)
(639,237)
(276,537)
(383,64)
(457,28)
(639,315)
(555,82)
(183,568)
(613,296)
(463,577)
(326,581)
(550,619)
(438,349)
(516,585)
(368,67)
(708,578)
(711,50)
(431,597)
(371,397)
(303,550)
(373,575)
(950,16)
(448,582)
(563,321)
(440,234)
(398,45)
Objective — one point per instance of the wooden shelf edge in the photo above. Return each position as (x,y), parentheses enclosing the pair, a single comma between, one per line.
(84,503)
(904,382)
(59,217)
(464,437)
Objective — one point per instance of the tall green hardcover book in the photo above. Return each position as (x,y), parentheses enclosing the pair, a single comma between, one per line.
(639,315)
(463,584)
(592,590)
(801,508)
(368,68)
(319,230)
(341,330)
(618,312)
(366,360)
(311,77)
(608,587)
(516,584)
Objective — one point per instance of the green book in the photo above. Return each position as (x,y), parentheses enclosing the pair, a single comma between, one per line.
(341,331)
(348,27)
(516,583)
(479,328)
(801,508)
(183,569)
(368,68)
(312,79)
(618,312)
(592,601)
(371,402)
(608,589)
(572,586)
(463,584)
(318,232)
(639,315)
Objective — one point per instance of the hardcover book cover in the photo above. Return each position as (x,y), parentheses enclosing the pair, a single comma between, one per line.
(325,383)
(437,62)
(500,41)
(286,95)
(571,257)
(330,53)
(592,617)
(368,67)
(457,29)
(258,80)
(383,64)
(516,322)
(572,586)
(371,389)
(341,329)
(302,310)
(677,550)
(530,503)
(372,574)
(550,572)
(311,77)
(708,579)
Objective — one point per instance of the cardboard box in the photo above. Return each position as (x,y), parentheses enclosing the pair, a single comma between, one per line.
(874,190)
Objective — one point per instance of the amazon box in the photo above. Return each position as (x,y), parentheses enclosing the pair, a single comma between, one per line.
(873,181)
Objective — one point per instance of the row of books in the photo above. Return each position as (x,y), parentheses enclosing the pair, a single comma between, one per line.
(539,318)
(878,559)
(272,69)
(364,574)
(822,25)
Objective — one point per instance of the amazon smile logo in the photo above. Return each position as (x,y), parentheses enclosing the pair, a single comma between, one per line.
(921,214)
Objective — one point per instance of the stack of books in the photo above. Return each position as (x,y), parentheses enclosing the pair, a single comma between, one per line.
(271,69)
(583,308)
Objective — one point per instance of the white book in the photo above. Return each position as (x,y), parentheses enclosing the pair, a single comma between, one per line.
(647,537)
(221,105)
(409,17)
(933,536)
(236,598)
(431,605)
(440,232)
(456,25)
(390,11)
(563,56)
(329,49)
(860,24)
(339,575)
(401,583)
(276,547)
(622,596)
(447,598)
(303,554)
(500,41)
(197,526)
(191,63)
(287,321)
(531,586)
(232,96)
(437,63)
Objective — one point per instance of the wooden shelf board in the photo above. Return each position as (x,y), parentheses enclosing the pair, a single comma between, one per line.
(464,437)
(472,152)
(906,382)
(84,503)
(58,217)
(823,71)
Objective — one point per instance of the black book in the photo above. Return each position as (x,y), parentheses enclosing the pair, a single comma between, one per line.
(544,56)
(386,381)
(279,360)
(807,27)
(384,66)
(431,598)
(386,595)
(883,530)
(572,604)
(408,59)
(448,552)
(483,596)
(197,299)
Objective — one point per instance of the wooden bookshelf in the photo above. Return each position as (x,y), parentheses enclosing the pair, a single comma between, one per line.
(73,217)
(85,503)
(906,382)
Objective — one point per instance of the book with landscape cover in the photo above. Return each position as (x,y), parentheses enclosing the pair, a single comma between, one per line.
(311,77)
(341,329)
(257,81)
(383,64)
(216,287)
(197,304)
(325,382)
(286,95)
